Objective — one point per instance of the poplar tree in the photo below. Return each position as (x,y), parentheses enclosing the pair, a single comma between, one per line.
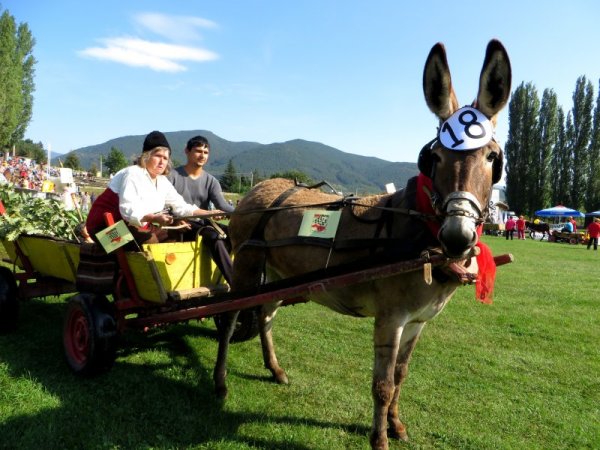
(592,194)
(583,99)
(561,186)
(16,78)
(26,62)
(520,148)
(567,161)
(548,130)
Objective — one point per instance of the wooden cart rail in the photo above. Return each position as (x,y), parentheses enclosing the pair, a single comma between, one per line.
(292,290)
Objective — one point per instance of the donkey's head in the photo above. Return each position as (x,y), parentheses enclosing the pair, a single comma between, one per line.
(464,161)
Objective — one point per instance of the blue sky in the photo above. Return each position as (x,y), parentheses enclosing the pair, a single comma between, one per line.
(345,73)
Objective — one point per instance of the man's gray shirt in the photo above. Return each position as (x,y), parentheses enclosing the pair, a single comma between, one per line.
(201,191)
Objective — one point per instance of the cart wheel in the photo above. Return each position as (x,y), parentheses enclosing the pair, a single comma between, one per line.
(246,327)
(9,300)
(89,334)
(572,241)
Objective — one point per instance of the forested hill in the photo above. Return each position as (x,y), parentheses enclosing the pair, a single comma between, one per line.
(346,171)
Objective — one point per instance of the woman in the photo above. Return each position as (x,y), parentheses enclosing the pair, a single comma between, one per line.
(140,194)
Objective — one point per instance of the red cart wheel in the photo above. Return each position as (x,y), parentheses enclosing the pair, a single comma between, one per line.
(89,335)
(9,300)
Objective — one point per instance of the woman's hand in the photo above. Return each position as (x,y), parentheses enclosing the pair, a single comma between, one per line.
(162,219)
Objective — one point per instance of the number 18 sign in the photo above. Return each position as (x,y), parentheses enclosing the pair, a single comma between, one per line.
(466,129)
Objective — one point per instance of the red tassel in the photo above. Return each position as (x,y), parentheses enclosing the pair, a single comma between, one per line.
(486,274)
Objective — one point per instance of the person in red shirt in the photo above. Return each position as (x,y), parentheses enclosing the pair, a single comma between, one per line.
(509,226)
(520,228)
(574,224)
(593,230)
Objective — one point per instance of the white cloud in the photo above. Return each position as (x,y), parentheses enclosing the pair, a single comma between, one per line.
(159,56)
(175,28)
(154,55)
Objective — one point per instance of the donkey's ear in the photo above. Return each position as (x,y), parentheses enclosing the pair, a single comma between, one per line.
(437,84)
(495,80)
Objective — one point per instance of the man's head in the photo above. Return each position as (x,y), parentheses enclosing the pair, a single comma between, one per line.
(197,151)
(197,141)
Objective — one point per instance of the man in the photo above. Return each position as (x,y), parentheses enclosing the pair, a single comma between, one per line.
(593,230)
(201,188)
(509,228)
(520,223)
(567,227)
(573,223)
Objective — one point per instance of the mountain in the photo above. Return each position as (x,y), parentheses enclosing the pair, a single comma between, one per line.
(345,171)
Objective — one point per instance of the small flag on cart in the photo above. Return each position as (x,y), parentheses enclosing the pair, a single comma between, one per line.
(114,237)
(319,223)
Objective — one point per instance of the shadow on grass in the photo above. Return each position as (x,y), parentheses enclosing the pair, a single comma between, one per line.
(132,406)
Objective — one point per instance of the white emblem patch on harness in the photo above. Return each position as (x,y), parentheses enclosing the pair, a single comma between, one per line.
(466,129)
(320,223)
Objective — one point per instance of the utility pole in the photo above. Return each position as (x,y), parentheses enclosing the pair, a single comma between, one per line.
(49,153)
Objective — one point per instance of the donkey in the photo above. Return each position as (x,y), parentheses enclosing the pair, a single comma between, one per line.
(541,227)
(440,210)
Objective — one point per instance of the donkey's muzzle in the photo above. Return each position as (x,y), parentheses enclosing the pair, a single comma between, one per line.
(458,233)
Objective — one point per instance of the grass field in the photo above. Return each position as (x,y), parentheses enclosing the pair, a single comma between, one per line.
(523,373)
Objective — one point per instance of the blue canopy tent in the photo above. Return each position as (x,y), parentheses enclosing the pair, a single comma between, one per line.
(590,216)
(559,211)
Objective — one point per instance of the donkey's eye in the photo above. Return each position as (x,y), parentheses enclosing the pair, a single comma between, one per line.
(492,156)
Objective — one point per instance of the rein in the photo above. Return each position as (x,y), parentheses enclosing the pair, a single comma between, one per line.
(257,238)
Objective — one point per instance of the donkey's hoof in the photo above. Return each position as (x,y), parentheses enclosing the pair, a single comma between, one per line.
(280,377)
(399,433)
(379,443)
(221,392)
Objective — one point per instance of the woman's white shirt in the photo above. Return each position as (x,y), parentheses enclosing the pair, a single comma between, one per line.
(139,195)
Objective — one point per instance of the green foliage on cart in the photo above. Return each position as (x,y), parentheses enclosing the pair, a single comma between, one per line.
(29,214)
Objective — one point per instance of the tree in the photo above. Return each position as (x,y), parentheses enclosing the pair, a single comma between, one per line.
(296,175)
(583,99)
(115,161)
(521,147)
(72,161)
(32,150)
(561,164)
(592,195)
(229,179)
(567,161)
(16,78)
(548,130)
(25,43)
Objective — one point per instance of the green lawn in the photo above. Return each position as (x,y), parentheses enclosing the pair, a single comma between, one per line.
(523,373)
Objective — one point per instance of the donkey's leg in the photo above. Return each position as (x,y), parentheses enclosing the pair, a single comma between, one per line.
(267,316)
(410,336)
(388,329)
(220,371)
(247,271)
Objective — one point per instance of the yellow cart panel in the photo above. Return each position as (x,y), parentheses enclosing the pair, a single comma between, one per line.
(48,256)
(172,266)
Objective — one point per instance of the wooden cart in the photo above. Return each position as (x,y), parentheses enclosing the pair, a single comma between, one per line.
(161,284)
(565,236)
